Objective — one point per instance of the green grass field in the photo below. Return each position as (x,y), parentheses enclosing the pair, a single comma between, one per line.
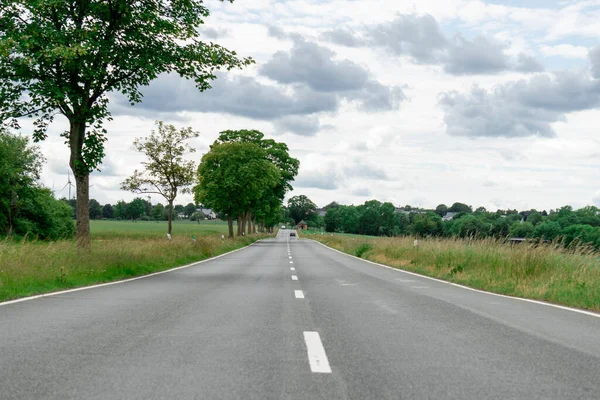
(104,229)
(120,250)
(546,272)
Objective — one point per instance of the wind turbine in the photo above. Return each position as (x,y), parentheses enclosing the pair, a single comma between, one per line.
(69,184)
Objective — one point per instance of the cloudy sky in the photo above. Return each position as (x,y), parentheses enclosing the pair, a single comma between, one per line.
(492,103)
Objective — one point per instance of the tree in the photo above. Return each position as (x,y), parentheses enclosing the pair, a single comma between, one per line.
(278,154)
(179,209)
(522,230)
(108,212)
(534,218)
(95,209)
(158,210)
(136,208)
(441,210)
(20,166)
(60,56)
(234,177)
(300,207)
(26,208)
(165,171)
(460,207)
(120,210)
(189,209)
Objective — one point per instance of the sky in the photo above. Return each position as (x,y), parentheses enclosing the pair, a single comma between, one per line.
(489,103)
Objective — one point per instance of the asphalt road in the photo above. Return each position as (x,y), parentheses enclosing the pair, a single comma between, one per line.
(241,327)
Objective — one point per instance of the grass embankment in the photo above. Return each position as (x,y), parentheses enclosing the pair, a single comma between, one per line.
(544,272)
(120,250)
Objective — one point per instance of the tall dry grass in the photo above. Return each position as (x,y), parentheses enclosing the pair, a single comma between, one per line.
(545,272)
(29,268)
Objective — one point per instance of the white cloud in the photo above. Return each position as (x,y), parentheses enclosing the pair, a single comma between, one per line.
(565,50)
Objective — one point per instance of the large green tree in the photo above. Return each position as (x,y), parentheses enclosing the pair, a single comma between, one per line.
(234,178)
(20,166)
(276,153)
(166,172)
(66,56)
(300,207)
(26,208)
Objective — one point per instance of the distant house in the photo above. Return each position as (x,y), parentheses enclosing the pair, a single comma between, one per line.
(302,225)
(322,212)
(208,212)
(448,216)
(180,216)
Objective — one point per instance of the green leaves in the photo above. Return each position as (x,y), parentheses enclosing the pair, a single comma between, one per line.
(66,56)
(165,169)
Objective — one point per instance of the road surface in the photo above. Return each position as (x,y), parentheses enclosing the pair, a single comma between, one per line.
(291,319)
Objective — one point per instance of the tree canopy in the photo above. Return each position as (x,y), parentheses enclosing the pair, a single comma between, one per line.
(166,172)
(234,178)
(65,57)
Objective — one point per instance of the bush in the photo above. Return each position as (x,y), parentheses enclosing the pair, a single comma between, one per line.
(362,249)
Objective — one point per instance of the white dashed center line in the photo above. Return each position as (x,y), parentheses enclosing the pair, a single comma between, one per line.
(316,353)
(292,269)
(299,294)
(294,278)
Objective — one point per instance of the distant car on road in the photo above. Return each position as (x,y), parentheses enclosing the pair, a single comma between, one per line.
(283,227)
(293,234)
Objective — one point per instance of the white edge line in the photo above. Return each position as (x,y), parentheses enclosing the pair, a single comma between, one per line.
(589,313)
(299,294)
(39,296)
(317,358)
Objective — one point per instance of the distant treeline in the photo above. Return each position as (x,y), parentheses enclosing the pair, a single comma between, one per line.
(139,209)
(384,219)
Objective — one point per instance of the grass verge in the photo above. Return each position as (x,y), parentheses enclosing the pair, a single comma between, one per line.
(545,272)
(30,268)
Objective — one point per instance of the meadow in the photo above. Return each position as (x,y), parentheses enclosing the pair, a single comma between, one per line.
(119,250)
(546,272)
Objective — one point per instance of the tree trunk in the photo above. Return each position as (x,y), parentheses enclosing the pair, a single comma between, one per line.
(170,229)
(82,181)
(249,221)
(243,223)
(230,224)
(239,225)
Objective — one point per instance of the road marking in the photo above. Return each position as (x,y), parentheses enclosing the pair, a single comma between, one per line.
(294,278)
(291,262)
(588,313)
(299,294)
(39,296)
(290,257)
(405,280)
(316,353)
(292,269)
(420,287)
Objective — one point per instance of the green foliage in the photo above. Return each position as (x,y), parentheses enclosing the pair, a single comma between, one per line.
(26,209)
(65,57)
(441,210)
(95,209)
(276,153)
(301,207)
(189,209)
(460,207)
(362,249)
(522,230)
(166,172)
(108,212)
(236,177)
(136,209)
